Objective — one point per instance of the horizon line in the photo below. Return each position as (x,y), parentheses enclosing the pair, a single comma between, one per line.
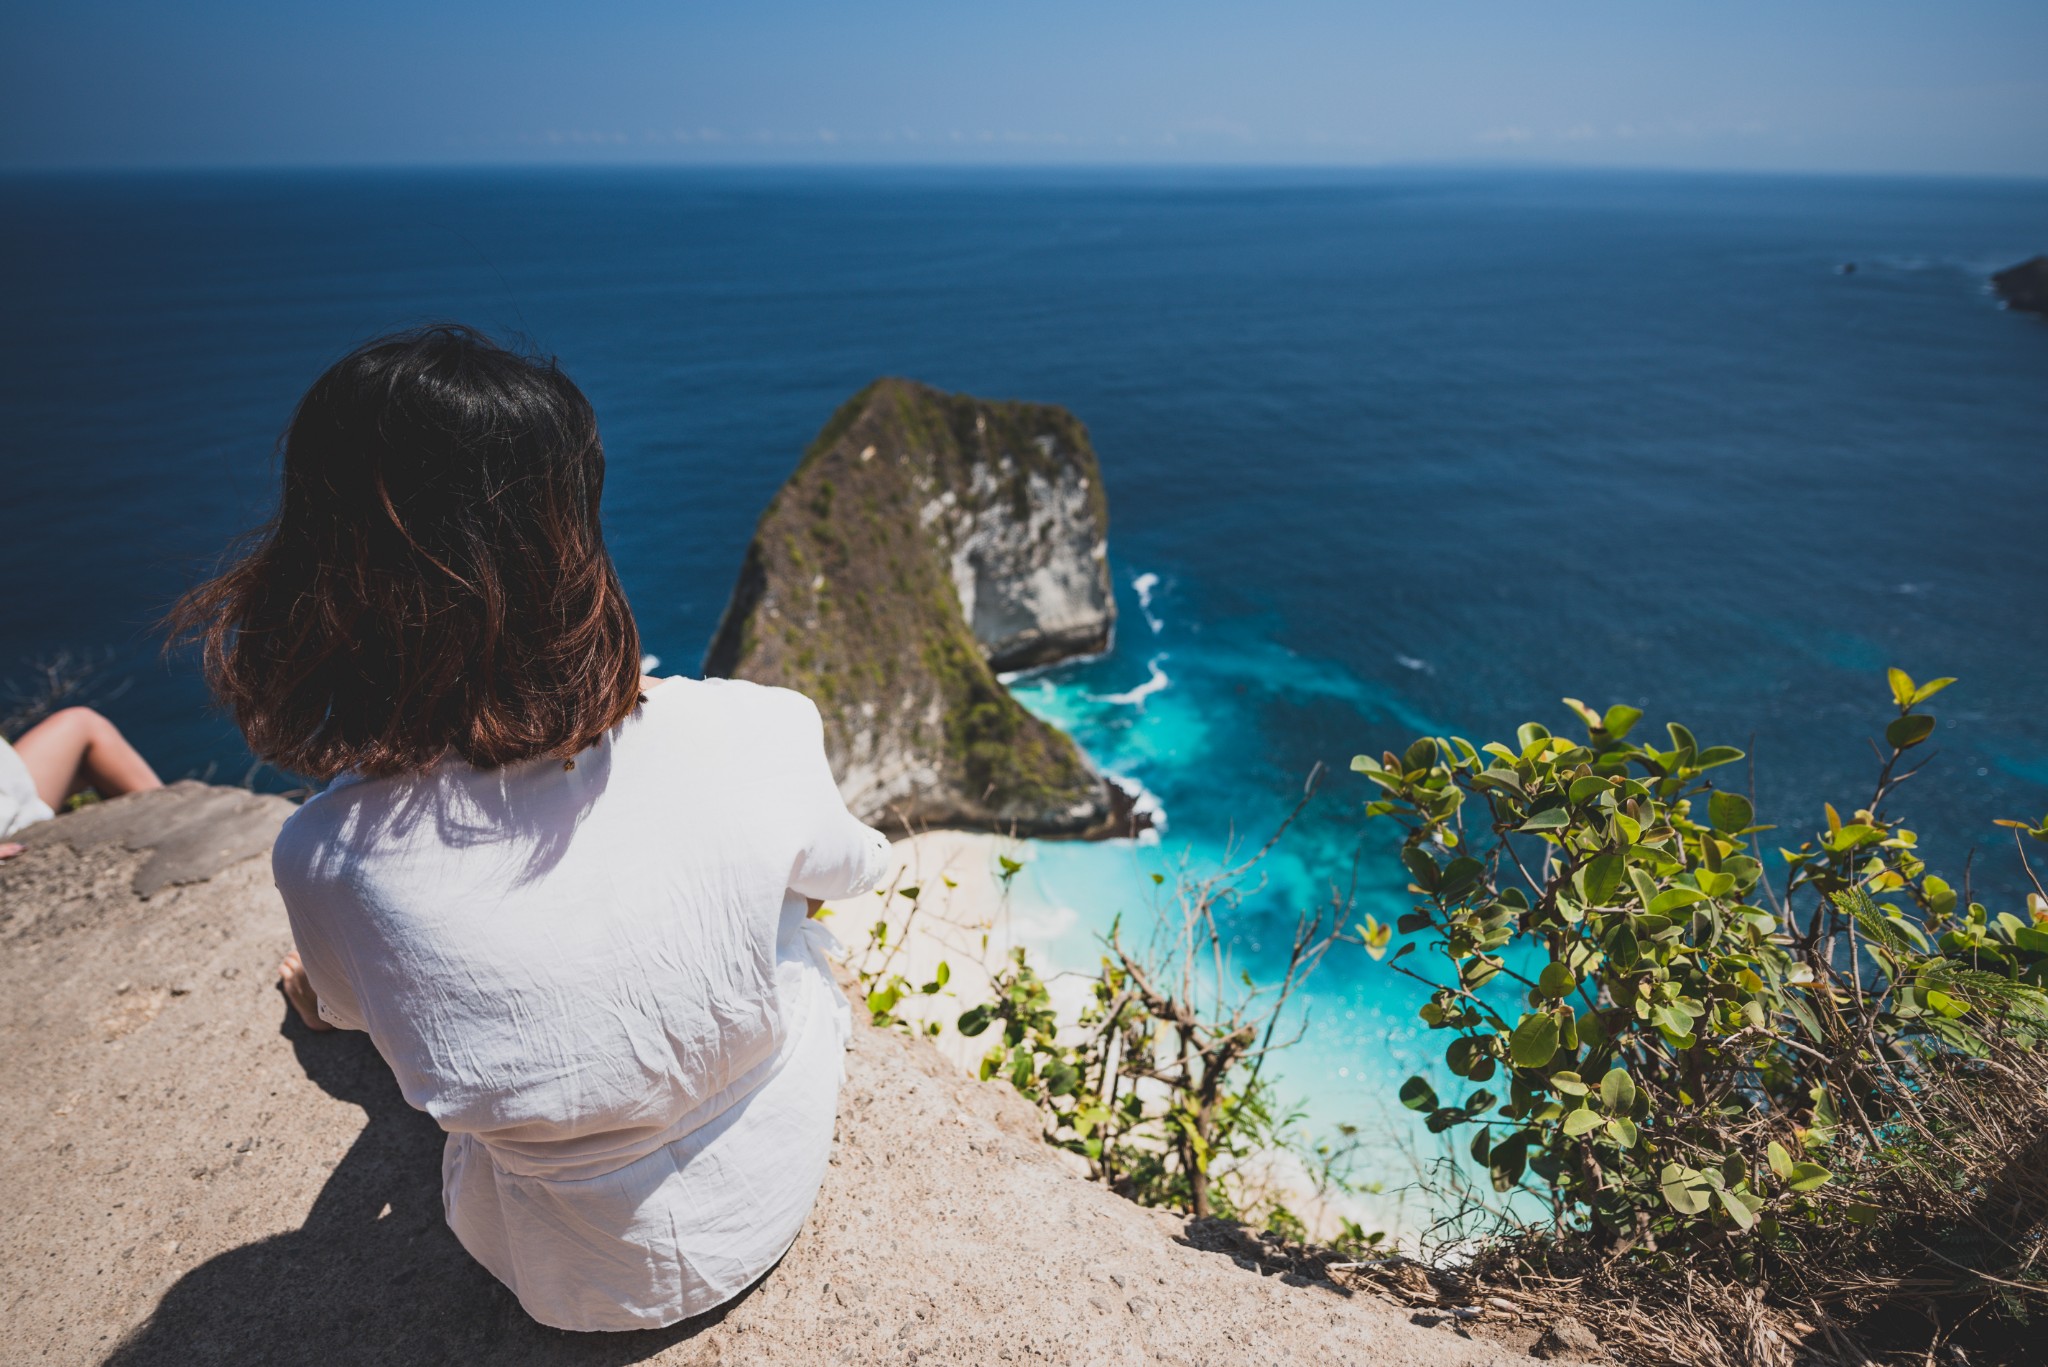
(841,166)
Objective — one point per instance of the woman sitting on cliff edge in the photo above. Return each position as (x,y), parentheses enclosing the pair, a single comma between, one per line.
(569,904)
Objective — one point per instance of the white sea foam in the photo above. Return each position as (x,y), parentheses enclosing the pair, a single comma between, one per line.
(1144,802)
(649,663)
(1410,662)
(1143,586)
(1136,697)
(1008,678)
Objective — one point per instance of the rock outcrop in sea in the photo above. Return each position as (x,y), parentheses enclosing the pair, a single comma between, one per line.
(2025,286)
(926,542)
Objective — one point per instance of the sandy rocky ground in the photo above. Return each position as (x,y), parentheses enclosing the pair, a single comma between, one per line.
(187,1176)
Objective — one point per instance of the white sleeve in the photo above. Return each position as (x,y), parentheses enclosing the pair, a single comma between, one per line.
(837,855)
(323,959)
(338,1005)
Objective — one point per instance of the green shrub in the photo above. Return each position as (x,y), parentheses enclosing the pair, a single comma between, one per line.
(1674,1051)
(1159,1082)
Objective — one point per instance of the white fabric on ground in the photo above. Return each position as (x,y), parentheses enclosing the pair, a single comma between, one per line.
(602,982)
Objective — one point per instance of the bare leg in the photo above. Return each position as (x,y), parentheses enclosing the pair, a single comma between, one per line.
(75,749)
(298,990)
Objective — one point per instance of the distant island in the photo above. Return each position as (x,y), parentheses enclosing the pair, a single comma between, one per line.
(2025,286)
(925,542)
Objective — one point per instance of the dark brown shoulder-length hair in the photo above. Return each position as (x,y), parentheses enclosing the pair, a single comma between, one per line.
(435,580)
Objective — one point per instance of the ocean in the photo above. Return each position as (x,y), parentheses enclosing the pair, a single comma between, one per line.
(1387,452)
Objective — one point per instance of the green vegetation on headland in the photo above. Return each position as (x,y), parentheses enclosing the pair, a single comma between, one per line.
(925,541)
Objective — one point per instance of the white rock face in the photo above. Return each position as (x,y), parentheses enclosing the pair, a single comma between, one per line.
(1034,588)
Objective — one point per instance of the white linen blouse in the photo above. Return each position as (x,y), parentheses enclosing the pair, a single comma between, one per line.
(600,979)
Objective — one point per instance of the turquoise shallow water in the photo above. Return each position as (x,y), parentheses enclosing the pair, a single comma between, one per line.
(1390,451)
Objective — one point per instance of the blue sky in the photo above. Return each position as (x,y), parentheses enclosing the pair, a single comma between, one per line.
(1945,86)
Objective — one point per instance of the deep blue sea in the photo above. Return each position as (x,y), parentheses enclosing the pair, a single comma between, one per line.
(1391,452)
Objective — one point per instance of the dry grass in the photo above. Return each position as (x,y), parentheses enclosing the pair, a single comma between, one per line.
(1929,1247)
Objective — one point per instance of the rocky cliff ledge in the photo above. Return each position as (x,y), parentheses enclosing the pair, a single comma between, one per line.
(925,542)
(2025,286)
(188,1177)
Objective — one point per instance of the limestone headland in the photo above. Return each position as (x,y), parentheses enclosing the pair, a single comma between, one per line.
(925,543)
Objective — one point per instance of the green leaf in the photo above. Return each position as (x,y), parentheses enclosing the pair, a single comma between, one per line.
(1534,1042)
(1586,789)
(1621,719)
(1715,756)
(1568,1083)
(1684,1190)
(1908,731)
(1418,1095)
(1951,1007)
(1479,970)
(1716,884)
(1807,1176)
(1599,879)
(1555,980)
(1672,899)
(1622,1132)
(1902,686)
(975,1019)
(1618,1091)
(1424,869)
(1421,755)
(1463,1055)
(1730,812)
(1556,819)
(1508,1160)
(1737,1208)
(1929,689)
(1581,1121)
(1622,949)
(1781,1161)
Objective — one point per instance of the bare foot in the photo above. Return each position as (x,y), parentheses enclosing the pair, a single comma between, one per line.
(10,849)
(298,990)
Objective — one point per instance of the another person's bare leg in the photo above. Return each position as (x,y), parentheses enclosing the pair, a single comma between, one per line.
(75,749)
(298,990)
